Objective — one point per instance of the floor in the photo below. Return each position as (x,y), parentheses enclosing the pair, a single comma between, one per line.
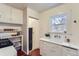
(21,53)
(35,52)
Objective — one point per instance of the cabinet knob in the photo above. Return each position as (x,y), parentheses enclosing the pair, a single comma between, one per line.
(47,35)
(68,40)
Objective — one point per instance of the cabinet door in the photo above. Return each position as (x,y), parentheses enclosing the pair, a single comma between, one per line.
(17,16)
(69,52)
(50,49)
(43,48)
(5,13)
(55,51)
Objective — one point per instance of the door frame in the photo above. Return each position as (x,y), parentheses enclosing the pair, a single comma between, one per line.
(27,33)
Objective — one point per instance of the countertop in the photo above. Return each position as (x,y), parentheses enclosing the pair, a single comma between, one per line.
(11,36)
(60,43)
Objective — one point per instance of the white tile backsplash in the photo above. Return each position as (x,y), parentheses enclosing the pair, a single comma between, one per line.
(5,35)
(57,37)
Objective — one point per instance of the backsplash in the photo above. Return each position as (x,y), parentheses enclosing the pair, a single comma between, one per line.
(9,30)
(59,37)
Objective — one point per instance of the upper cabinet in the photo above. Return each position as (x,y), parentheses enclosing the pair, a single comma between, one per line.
(17,16)
(5,13)
(9,14)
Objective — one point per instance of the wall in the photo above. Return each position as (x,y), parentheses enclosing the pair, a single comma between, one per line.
(75,26)
(28,12)
(45,17)
(32,13)
(35,25)
(10,26)
(73,29)
(24,29)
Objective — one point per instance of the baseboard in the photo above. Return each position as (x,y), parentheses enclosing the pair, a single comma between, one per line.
(24,51)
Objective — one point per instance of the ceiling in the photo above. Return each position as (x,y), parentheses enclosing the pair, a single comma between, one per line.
(40,7)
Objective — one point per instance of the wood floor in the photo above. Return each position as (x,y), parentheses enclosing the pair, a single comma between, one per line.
(35,52)
(21,53)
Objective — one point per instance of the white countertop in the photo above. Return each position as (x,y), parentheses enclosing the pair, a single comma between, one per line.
(60,43)
(8,51)
(9,36)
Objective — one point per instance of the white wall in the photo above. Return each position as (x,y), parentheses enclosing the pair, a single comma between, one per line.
(32,13)
(28,12)
(72,10)
(9,26)
(45,17)
(24,29)
(35,24)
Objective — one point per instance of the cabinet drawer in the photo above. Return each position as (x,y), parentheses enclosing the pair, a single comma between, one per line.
(48,44)
(50,49)
(69,52)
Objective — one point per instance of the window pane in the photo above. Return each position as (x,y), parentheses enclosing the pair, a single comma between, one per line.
(59,23)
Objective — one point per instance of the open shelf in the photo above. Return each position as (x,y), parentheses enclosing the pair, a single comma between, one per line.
(17,41)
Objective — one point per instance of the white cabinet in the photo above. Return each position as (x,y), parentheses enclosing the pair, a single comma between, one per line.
(5,13)
(69,51)
(17,16)
(9,14)
(49,49)
(17,42)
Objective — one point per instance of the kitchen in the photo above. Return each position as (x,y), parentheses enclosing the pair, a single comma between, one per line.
(59,35)
(51,28)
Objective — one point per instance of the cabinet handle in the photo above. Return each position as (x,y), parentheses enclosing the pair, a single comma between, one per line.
(70,47)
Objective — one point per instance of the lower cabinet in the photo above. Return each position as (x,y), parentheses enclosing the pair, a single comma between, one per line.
(51,49)
(69,51)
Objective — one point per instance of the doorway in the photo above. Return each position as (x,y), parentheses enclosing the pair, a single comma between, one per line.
(30,38)
(33,33)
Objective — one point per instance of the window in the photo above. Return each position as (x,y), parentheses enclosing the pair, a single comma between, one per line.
(58,23)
